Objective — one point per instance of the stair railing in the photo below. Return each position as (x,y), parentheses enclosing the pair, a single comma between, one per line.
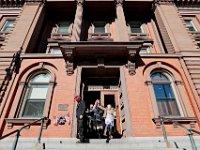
(17,131)
(188,129)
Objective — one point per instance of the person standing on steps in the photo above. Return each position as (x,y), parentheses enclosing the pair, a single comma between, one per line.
(81,119)
(90,124)
(98,118)
(109,115)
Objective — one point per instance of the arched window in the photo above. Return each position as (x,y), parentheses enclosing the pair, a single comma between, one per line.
(165,98)
(36,94)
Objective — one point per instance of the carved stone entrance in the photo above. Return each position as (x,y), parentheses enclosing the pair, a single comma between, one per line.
(103,84)
(100,69)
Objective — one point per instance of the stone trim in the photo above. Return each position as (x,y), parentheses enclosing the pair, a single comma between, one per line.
(120,22)
(178,2)
(126,52)
(162,28)
(186,120)
(128,125)
(177,86)
(69,59)
(99,37)
(18,103)
(17,3)
(127,132)
(11,121)
(76,30)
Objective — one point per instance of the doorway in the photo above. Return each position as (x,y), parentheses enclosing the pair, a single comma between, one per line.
(103,84)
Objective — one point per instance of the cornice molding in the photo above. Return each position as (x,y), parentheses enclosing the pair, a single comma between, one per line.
(178,2)
(17,3)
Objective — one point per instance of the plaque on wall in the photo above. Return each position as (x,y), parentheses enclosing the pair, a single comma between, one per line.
(63,107)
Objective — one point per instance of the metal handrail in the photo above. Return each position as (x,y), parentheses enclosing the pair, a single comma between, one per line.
(195,131)
(189,131)
(164,131)
(20,129)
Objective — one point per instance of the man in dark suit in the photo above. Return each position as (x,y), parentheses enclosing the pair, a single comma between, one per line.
(81,119)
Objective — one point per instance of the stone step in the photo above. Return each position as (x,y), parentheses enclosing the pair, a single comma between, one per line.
(146,143)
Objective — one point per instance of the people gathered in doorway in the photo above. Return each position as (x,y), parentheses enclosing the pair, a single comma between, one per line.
(95,121)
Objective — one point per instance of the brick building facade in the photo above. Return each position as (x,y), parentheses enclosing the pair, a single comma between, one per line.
(143,57)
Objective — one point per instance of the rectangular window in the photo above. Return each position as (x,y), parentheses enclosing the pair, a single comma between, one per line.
(144,50)
(135,27)
(63,26)
(55,50)
(35,101)
(166,101)
(8,25)
(99,27)
(190,25)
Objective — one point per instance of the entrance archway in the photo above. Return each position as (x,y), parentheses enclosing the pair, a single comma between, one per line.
(103,84)
(107,84)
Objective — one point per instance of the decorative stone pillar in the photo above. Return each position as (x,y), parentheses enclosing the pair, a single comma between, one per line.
(131,63)
(69,59)
(76,31)
(120,22)
(131,60)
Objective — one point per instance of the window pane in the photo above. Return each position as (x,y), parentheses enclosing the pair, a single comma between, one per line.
(34,109)
(168,91)
(191,29)
(135,27)
(173,107)
(63,26)
(55,50)
(38,92)
(144,51)
(163,108)
(168,107)
(190,25)
(99,27)
(8,26)
(159,91)
(159,77)
(43,77)
(99,30)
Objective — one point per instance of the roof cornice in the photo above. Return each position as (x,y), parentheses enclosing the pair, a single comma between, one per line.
(179,2)
(18,3)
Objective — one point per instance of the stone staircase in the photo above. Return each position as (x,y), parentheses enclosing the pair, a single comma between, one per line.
(139,143)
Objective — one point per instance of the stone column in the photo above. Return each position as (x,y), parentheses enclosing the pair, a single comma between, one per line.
(76,31)
(120,23)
